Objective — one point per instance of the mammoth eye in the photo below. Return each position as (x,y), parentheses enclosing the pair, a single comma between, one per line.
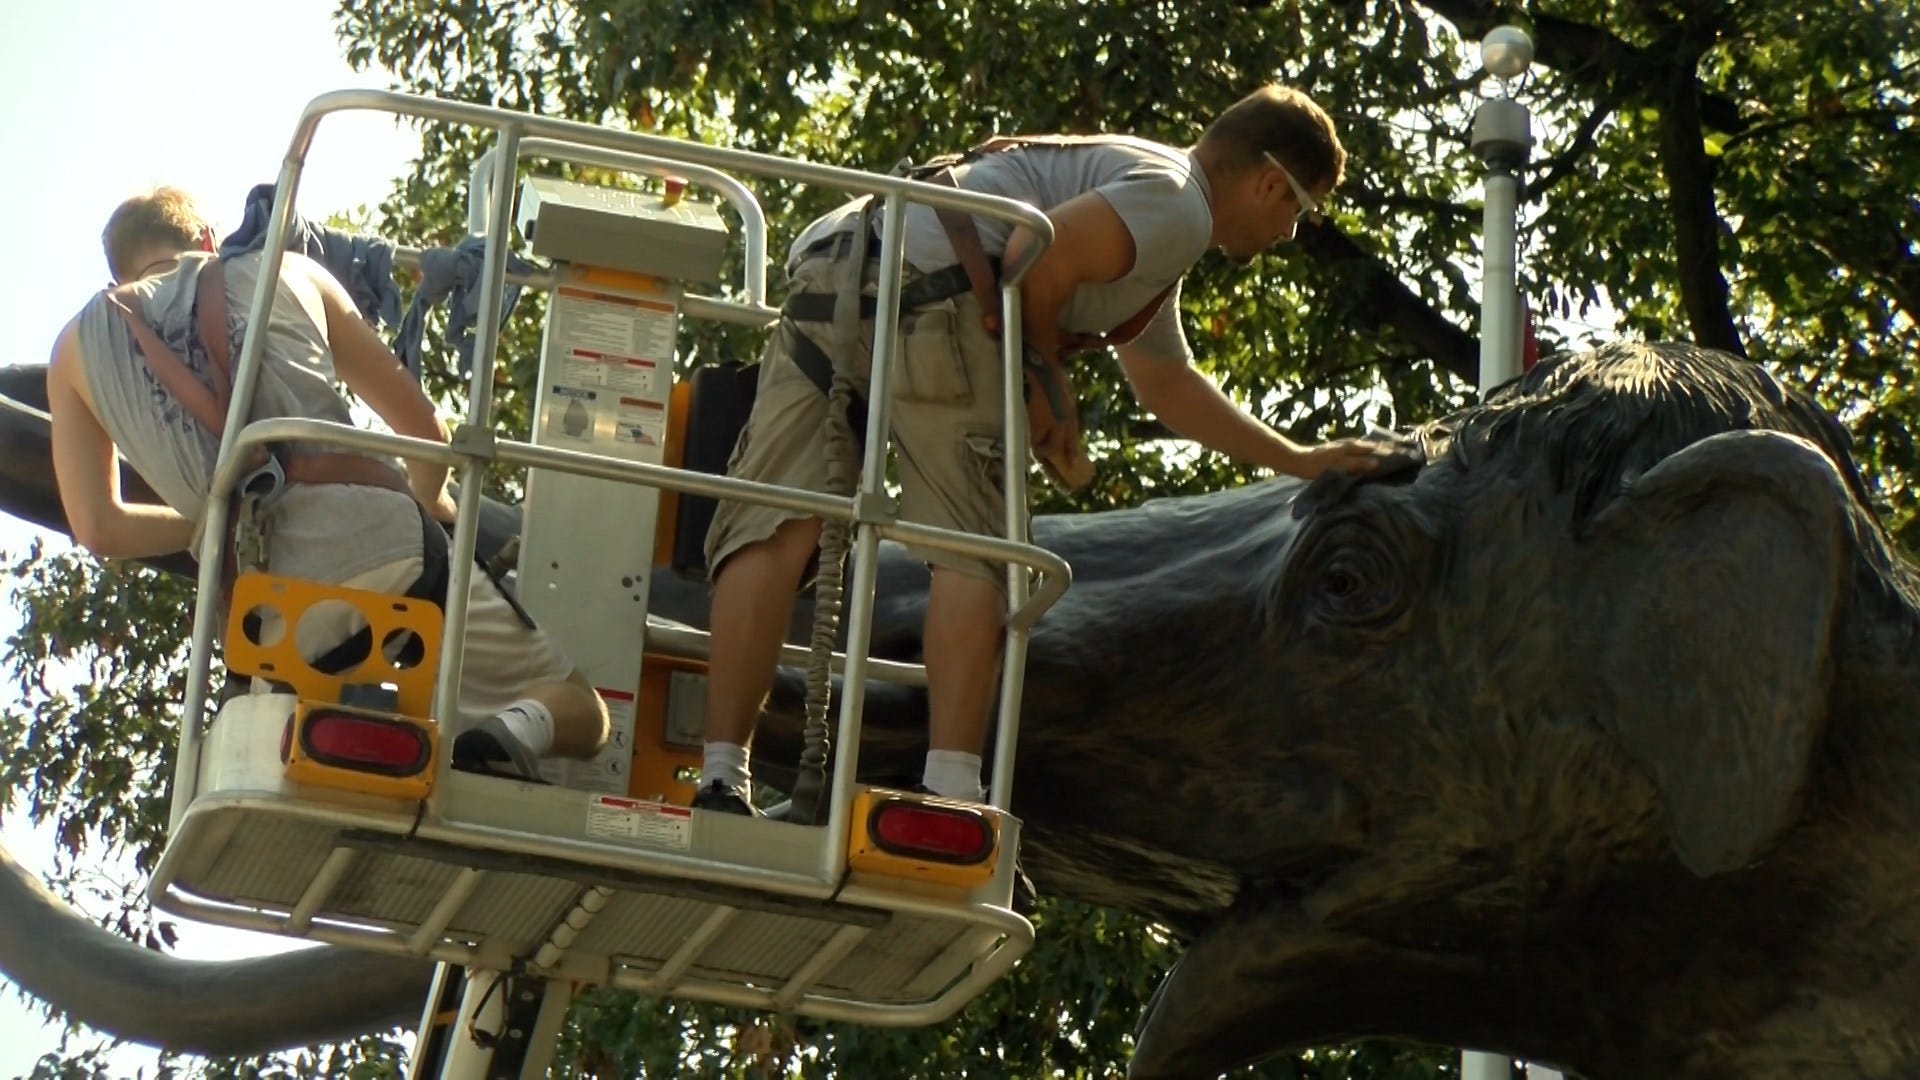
(1339,583)
(1358,582)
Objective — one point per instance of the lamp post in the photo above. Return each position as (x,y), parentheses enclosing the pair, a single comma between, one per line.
(1502,139)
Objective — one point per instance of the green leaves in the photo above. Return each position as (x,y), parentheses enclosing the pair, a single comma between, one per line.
(98,666)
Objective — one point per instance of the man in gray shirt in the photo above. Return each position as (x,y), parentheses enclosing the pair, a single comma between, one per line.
(1129,217)
(126,375)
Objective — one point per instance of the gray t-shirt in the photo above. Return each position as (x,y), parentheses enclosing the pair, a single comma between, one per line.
(1160,193)
(324,532)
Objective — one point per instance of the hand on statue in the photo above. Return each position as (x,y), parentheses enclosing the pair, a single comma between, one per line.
(1355,456)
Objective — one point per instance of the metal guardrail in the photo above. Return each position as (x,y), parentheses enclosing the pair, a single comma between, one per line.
(1052,568)
(474,445)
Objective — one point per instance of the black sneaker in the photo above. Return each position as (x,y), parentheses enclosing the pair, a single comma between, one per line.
(724,798)
(489,749)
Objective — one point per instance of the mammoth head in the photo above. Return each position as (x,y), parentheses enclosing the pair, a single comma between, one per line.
(1635,556)
(1598,624)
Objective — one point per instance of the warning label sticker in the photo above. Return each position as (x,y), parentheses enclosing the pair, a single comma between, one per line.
(610,817)
(642,423)
(593,327)
(572,413)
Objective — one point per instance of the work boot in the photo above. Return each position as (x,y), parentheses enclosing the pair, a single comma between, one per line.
(724,798)
(489,749)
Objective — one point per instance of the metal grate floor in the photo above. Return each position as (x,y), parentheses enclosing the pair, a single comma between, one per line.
(272,868)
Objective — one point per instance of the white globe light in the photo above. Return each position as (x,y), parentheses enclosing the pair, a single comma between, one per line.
(1506,51)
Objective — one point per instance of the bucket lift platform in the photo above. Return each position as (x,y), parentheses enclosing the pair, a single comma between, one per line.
(324,807)
(513,876)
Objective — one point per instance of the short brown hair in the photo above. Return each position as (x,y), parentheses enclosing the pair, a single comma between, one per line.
(165,217)
(1286,123)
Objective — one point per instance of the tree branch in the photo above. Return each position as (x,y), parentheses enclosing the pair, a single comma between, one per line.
(1894,267)
(1590,56)
(1560,166)
(1690,202)
(1774,127)
(1377,289)
(1375,200)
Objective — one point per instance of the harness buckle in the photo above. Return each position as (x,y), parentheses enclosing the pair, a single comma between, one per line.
(266,481)
(252,532)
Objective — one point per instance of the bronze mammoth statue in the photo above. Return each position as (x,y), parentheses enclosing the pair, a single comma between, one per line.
(1585,734)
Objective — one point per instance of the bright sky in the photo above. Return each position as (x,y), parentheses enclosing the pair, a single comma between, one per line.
(104,98)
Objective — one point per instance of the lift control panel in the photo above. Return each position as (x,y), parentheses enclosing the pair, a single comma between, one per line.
(659,234)
(622,261)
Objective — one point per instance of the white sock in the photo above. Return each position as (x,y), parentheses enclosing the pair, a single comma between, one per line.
(954,774)
(727,763)
(531,723)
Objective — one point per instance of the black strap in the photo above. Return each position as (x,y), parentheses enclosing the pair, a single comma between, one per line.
(814,362)
(924,290)
(496,574)
(838,245)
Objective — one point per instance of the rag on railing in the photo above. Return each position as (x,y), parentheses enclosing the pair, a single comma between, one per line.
(363,264)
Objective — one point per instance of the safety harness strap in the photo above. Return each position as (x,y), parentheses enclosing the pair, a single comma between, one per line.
(207,402)
(983,272)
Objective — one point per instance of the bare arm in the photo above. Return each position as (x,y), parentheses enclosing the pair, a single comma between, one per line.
(1093,245)
(88,474)
(1090,245)
(376,376)
(1189,403)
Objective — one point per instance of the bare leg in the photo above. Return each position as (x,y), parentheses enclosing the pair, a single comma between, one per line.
(579,716)
(752,604)
(965,620)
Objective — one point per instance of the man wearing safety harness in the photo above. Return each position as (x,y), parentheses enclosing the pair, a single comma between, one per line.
(146,368)
(1130,217)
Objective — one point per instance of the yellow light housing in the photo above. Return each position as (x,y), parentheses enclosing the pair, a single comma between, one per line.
(923,838)
(360,750)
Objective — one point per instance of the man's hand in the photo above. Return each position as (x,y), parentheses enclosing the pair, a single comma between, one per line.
(1053,424)
(1356,456)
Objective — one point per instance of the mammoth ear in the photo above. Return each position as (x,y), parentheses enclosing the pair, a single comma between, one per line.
(1718,576)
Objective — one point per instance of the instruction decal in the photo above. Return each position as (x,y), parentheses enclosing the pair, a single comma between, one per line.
(611,817)
(616,342)
(572,413)
(639,422)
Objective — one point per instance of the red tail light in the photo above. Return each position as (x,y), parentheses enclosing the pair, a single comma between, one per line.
(365,743)
(936,833)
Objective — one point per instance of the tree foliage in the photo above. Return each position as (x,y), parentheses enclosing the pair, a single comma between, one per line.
(1735,172)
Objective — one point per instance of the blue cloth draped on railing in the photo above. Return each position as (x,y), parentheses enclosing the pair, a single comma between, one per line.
(453,274)
(363,264)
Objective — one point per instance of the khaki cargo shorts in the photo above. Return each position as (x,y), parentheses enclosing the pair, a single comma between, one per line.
(947,424)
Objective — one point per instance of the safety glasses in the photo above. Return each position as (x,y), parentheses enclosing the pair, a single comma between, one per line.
(1310,209)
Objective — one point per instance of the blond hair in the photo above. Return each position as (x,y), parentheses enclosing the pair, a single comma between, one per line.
(1286,123)
(164,219)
